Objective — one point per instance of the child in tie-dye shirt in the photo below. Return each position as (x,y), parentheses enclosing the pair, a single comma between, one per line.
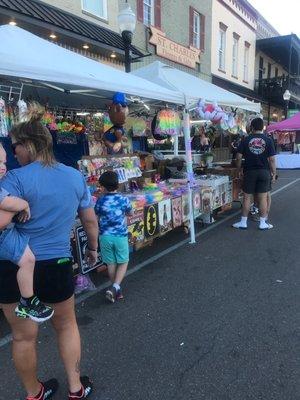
(112,209)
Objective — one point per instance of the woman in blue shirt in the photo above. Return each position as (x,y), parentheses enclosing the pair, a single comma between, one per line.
(55,194)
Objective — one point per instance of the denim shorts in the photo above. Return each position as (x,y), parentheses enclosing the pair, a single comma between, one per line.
(114,249)
(12,245)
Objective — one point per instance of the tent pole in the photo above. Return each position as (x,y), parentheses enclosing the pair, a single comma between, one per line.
(190,174)
(176,145)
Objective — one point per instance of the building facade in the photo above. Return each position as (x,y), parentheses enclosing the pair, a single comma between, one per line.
(101,12)
(174,32)
(87,27)
(234,26)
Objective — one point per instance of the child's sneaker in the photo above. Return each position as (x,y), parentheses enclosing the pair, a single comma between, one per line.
(85,391)
(111,294)
(48,390)
(35,310)
(120,295)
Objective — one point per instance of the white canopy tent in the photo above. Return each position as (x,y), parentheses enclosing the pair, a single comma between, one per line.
(34,60)
(192,87)
(25,55)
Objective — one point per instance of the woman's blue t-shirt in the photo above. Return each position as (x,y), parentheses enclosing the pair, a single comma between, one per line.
(54,194)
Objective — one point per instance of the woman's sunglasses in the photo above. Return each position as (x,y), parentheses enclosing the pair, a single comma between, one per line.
(14,146)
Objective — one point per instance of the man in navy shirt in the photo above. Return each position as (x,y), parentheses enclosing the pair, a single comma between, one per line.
(259,171)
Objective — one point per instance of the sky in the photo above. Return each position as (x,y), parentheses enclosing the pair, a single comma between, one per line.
(284,16)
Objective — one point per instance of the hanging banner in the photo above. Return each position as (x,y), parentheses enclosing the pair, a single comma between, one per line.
(151,221)
(135,224)
(177,212)
(173,51)
(165,216)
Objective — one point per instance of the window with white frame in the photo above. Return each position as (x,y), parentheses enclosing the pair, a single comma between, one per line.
(222,48)
(246,63)
(95,7)
(196,30)
(148,12)
(235,54)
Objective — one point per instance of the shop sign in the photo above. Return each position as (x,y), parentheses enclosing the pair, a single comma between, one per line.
(81,245)
(135,224)
(173,51)
(151,221)
(177,211)
(165,216)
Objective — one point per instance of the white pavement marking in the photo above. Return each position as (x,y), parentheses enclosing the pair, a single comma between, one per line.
(7,339)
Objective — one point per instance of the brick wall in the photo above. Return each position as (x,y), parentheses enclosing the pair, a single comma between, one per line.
(175,23)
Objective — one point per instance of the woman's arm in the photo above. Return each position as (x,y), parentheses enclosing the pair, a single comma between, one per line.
(13,204)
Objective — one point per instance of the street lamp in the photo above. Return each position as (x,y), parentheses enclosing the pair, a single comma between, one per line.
(127,22)
(287,97)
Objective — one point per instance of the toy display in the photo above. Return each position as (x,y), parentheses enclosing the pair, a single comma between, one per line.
(125,167)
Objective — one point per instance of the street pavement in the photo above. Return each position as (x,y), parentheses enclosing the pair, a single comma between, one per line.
(218,320)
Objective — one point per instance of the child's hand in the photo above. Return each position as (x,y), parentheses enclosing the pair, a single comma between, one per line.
(24,215)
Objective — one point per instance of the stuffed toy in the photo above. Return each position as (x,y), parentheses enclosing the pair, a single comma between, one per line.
(114,138)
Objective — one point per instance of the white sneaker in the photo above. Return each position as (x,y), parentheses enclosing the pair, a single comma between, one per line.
(266,226)
(239,225)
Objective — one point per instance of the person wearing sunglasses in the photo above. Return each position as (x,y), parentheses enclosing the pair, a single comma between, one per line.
(56,194)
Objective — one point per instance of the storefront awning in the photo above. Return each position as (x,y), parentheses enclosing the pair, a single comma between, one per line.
(191,87)
(24,55)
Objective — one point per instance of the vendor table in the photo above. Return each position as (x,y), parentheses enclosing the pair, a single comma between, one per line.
(287,161)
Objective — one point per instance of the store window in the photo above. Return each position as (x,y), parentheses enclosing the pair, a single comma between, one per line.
(235,55)
(222,46)
(98,8)
(246,62)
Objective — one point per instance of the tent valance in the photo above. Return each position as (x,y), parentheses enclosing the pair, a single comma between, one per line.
(192,87)
(25,55)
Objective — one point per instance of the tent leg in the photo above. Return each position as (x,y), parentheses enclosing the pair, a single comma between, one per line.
(189,164)
(176,146)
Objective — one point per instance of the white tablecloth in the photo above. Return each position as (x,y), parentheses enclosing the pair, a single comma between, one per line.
(288,161)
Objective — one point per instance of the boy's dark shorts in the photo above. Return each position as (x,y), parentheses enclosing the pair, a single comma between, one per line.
(257,181)
(53,282)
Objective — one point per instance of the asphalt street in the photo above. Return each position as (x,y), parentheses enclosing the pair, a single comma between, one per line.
(218,320)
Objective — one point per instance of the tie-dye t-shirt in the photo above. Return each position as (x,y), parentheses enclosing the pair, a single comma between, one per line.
(112,209)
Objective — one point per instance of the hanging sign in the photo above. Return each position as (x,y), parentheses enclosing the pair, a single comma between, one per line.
(165,216)
(81,245)
(151,221)
(135,224)
(173,51)
(177,211)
